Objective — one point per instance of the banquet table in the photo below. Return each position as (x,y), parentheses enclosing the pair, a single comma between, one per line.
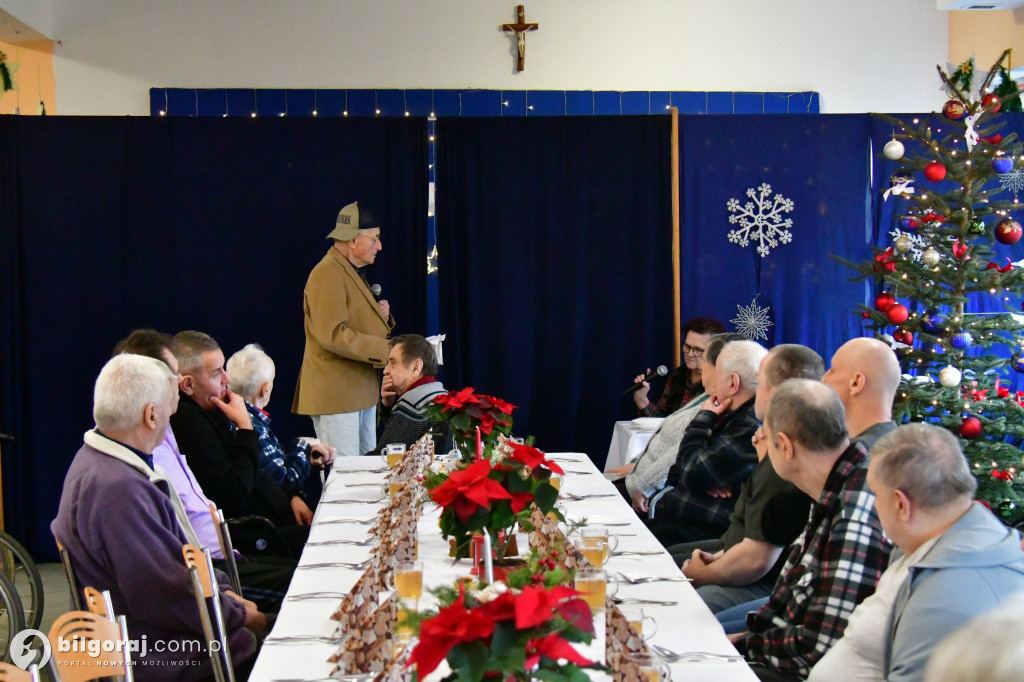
(349,493)
(629,438)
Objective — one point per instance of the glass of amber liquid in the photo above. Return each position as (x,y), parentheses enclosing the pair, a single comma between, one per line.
(652,667)
(393,454)
(397,484)
(592,584)
(556,481)
(409,580)
(644,625)
(597,545)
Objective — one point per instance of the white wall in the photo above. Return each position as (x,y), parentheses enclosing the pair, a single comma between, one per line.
(861,55)
(37,14)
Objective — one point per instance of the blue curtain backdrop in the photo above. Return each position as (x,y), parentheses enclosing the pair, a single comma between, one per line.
(821,164)
(108,224)
(555,272)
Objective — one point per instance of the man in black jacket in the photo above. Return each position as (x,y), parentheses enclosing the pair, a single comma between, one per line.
(214,432)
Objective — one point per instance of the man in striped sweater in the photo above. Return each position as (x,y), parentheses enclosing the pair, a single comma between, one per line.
(409,386)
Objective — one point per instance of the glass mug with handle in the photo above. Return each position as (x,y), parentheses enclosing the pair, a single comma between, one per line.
(407,580)
(397,483)
(652,667)
(644,624)
(393,454)
(593,586)
(597,545)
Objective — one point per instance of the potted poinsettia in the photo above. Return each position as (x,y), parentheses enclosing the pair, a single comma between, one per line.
(466,411)
(485,497)
(506,634)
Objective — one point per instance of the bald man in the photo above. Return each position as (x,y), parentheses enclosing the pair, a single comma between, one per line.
(866,374)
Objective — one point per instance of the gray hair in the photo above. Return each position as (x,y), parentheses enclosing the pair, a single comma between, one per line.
(125,385)
(925,462)
(718,342)
(189,347)
(249,369)
(741,358)
(810,413)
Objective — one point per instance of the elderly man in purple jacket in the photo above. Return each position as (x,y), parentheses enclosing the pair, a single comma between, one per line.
(124,527)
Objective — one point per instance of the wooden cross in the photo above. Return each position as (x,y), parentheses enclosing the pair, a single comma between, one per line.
(520,28)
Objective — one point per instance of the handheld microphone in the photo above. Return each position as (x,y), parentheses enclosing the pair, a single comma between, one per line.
(661,371)
(375,290)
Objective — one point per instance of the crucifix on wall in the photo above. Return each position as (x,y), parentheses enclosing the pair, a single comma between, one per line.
(520,28)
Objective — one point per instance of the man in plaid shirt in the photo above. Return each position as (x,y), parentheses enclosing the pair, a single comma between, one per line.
(838,560)
(716,454)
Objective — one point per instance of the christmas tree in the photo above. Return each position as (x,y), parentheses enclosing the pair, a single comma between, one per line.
(947,299)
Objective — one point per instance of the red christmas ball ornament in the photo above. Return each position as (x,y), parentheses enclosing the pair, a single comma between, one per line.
(991,99)
(954,110)
(903,335)
(971,428)
(898,314)
(935,171)
(1008,231)
(884,301)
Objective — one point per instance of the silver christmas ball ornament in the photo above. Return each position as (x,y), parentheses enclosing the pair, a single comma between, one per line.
(930,257)
(950,376)
(903,243)
(893,150)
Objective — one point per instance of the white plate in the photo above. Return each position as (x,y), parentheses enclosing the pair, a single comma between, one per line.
(648,423)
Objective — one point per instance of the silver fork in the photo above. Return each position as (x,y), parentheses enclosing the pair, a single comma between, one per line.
(643,581)
(335,564)
(376,501)
(313,596)
(362,522)
(633,600)
(694,656)
(357,543)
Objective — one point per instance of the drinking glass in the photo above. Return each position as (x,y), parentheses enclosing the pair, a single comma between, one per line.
(393,453)
(592,584)
(597,545)
(644,625)
(653,668)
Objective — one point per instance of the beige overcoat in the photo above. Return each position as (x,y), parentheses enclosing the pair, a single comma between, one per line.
(346,339)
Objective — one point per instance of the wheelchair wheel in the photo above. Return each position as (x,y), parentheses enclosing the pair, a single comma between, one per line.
(12,619)
(22,573)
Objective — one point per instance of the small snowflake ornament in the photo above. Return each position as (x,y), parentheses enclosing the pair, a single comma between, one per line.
(753,321)
(1013,181)
(761,219)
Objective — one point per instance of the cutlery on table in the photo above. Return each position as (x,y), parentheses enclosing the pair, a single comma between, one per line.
(313,596)
(357,543)
(633,600)
(652,579)
(693,656)
(638,552)
(577,498)
(362,522)
(376,501)
(335,564)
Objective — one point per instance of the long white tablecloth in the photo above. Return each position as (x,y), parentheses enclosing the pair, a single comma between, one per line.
(686,626)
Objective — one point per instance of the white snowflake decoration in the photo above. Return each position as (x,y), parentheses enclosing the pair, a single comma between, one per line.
(917,243)
(752,321)
(1013,181)
(761,219)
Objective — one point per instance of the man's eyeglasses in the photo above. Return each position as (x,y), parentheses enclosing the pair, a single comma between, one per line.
(376,240)
(693,350)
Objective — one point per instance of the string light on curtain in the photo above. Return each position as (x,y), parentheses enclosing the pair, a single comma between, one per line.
(314,103)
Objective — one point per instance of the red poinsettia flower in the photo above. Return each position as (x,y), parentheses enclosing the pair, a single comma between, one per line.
(577,612)
(502,406)
(452,625)
(553,647)
(521,501)
(469,489)
(537,604)
(532,457)
(457,399)
(502,607)
(486,423)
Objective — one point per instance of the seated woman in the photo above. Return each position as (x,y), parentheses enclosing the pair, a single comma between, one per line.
(252,374)
(651,469)
(683,384)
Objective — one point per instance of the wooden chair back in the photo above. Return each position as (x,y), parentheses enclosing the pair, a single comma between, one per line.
(99,603)
(12,673)
(205,587)
(81,662)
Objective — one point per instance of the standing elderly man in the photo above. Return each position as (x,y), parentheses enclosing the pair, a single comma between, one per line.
(346,338)
(124,526)
(838,560)
(716,454)
(954,560)
(410,385)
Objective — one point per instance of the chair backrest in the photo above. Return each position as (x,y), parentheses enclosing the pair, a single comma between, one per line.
(76,596)
(12,673)
(99,603)
(84,661)
(226,548)
(204,585)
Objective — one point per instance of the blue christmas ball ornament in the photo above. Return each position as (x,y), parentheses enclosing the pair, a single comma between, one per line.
(932,322)
(938,349)
(1002,164)
(1017,361)
(962,340)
